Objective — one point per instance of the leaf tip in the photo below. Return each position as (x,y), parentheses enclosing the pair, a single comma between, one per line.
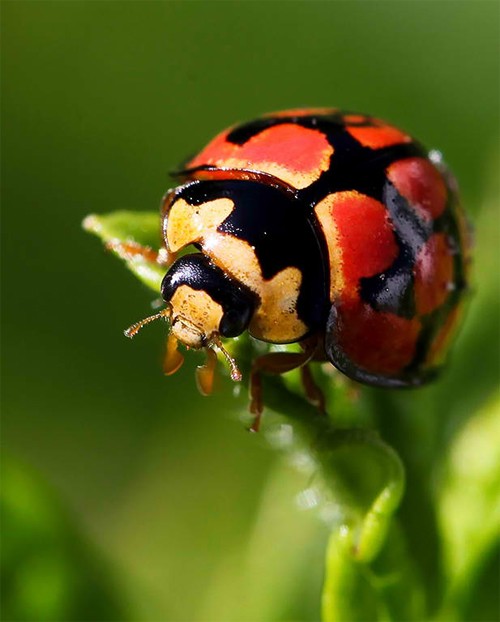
(91,223)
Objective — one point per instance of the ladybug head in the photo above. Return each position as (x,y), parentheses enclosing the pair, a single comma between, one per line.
(203,305)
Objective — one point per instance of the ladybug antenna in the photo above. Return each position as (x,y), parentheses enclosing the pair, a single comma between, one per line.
(135,328)
(235,372)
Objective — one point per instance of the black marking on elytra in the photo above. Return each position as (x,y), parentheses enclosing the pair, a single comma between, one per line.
(432,323)
(448,224)
(327,123)
(392,290)
(199,273)
(354,167)
(275,226)
(243,133)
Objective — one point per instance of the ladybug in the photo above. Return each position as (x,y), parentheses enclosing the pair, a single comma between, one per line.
(331,229)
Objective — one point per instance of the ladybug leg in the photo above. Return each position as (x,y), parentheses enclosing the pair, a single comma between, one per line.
(173,358)
(271,363)
(131,250)
(205,374)
(313,393)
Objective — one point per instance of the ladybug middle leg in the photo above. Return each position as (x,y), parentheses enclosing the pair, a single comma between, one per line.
(313,392)
(280,363)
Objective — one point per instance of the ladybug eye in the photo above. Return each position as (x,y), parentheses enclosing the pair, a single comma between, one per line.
(235,321)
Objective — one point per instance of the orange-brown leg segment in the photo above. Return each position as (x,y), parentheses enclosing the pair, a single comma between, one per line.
(313,393)
(173,358)
(205,374)
(271,363)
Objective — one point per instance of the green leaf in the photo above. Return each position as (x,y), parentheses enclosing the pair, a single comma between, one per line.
(469,506)
(136,228)
(385,590)
(368,566)
(49,570)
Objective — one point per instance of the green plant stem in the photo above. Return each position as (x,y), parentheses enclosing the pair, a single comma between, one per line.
(323,438)
(355,542)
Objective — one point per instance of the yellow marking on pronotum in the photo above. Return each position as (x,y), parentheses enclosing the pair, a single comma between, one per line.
(190,223)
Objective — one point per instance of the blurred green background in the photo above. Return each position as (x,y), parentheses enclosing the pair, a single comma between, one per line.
(127,496)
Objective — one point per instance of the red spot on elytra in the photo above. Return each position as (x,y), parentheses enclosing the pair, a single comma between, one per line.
(440,343)
(381,343)
(419,181)
(433,274)
(293,153)
(364,236)
(378,136)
